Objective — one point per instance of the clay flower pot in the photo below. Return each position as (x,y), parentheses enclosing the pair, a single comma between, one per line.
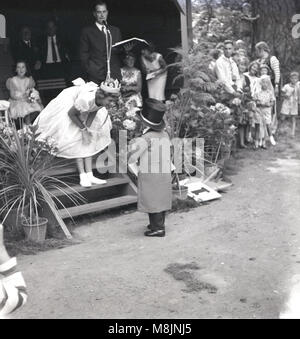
(35,232)
(180,193)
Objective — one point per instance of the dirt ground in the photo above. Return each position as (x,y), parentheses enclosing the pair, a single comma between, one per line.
(232,258)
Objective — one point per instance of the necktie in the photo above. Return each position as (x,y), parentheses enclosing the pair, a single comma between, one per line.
(54,54)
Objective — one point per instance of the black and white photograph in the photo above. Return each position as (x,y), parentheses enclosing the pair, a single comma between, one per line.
(149,162)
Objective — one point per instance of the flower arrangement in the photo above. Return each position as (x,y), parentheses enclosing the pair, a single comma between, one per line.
(125,118)
(29,137)
(33,96)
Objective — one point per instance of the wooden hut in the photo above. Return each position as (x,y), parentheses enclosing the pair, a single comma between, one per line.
(167,23)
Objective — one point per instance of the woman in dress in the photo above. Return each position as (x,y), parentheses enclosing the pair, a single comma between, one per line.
(265,58)
(155,68)
(78,121)
(24,99)
(131,83)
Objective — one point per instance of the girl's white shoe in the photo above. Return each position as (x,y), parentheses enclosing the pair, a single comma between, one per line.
(84,180)
(272,141)
(94,180)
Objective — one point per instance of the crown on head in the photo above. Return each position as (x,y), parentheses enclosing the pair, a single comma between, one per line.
(111,86)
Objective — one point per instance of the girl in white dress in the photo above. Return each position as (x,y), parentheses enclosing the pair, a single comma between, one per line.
(155,68)
(265,100)
(78,121)
(24,99)
(291,101)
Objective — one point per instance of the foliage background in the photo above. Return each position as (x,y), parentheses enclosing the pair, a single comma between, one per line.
(216,20)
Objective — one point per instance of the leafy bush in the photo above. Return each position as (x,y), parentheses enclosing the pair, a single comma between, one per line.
(198,110)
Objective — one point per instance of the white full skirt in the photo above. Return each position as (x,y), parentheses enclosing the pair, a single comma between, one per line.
(54,123)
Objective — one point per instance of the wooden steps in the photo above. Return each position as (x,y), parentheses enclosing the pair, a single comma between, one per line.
(63,166)
(79,189)
(119,191)
(98,206)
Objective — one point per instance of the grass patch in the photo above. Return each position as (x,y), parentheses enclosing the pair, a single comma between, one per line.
(23,247)
(185,205)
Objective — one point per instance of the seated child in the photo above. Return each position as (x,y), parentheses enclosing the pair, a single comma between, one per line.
(24,99)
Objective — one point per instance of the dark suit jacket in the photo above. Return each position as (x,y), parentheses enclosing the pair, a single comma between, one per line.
(21,51)
(93,55)
(61,45)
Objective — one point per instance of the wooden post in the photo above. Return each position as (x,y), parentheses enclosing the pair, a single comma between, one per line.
(184,33)
(186,25)
(189,18)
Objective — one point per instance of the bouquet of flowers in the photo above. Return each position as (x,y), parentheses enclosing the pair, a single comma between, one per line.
(221,109)
(125,119)
(33,96)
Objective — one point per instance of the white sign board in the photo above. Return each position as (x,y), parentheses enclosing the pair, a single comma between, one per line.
(2,26)
(199,191)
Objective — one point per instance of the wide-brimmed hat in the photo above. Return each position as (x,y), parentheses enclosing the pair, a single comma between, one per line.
(152,114)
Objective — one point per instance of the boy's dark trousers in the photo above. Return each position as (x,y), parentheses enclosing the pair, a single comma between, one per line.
(157,221)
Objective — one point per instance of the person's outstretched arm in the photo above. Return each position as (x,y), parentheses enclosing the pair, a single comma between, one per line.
(163,66)
(13,293)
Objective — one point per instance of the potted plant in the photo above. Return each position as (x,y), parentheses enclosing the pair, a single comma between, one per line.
(25,184)
(35,229)
(179,191)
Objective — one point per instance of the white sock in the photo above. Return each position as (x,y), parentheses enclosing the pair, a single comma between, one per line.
(85,180)
(95,180)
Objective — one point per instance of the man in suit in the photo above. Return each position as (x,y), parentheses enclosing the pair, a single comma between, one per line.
(93,48)
(53,54)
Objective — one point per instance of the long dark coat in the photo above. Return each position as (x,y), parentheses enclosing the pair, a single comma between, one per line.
(154,177)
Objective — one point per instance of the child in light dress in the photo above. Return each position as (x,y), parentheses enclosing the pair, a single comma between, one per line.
(24,99)
(265,100)
(266,71)
(291,93)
